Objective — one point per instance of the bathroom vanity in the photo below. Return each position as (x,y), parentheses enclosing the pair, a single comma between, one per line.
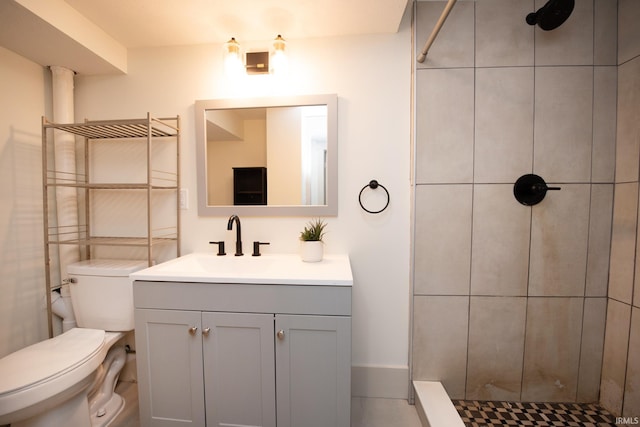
(247,341)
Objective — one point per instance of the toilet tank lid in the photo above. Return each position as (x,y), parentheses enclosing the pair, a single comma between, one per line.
(45,359)
(106,267)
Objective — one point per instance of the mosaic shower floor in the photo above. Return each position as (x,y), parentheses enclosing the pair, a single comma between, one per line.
(487,414)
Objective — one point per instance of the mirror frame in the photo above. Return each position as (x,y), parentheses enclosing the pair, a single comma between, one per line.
(330,209)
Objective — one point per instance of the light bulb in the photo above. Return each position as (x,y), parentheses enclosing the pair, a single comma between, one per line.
(232,60)
(279,60)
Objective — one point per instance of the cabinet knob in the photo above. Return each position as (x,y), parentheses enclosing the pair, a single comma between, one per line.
(193,330)
(206,331)
(280,334)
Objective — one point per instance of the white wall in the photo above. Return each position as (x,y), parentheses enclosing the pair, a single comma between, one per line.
(22,312)
(284,168)
(223,156)
(371,75)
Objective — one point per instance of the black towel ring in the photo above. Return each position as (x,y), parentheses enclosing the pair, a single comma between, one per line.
(373,184)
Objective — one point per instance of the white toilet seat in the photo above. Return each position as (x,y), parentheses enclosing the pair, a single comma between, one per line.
(48,368)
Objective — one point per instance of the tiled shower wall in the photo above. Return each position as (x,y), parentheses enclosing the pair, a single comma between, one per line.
(620,387)
(510,301)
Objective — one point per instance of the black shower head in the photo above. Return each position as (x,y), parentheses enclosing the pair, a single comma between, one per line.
(551,15)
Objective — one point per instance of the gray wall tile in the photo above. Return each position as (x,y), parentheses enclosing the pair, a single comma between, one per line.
(504,124)
(443,239)
(623,242)
(454,46)
(552,349)
(500,251)
(443,320)
(600,221)
(496,343)
(595,313)
(628,30)
(501,37)
(636,279)
(559,235)
(605,81)
(622,290)
(563,123)
(478,129)
(614,362)
(569,44)
(628,131)
(605,39)
(631,403)
(444,126)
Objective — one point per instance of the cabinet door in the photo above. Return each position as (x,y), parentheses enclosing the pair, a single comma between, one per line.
(169,359)
(313,371)
(239,369)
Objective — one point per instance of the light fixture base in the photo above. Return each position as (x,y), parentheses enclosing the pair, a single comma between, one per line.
(257,62)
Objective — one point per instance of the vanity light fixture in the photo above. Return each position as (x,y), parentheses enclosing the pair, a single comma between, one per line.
(258,62)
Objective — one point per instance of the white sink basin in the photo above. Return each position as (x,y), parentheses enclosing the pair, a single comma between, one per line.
(285,269)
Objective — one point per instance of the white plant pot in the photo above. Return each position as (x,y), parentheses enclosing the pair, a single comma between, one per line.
(311,251)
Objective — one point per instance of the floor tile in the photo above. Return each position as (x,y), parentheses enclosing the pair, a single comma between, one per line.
(486,414)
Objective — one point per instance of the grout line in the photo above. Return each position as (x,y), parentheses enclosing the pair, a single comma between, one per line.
(473,191)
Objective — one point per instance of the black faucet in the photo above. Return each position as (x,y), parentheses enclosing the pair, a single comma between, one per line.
(238,233)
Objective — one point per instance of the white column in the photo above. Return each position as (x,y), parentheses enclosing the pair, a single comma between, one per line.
(65,165)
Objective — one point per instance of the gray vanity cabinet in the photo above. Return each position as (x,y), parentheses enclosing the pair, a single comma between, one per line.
(239,379)
(313,371)
(197,363)
(208,362)
(170,369)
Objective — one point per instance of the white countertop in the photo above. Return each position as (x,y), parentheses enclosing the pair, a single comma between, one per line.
(285,269)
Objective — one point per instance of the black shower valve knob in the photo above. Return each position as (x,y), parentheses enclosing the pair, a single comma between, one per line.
(530,189)
(542,187)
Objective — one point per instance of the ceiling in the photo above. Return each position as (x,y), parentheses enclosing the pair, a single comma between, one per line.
(46,30)
(143,23)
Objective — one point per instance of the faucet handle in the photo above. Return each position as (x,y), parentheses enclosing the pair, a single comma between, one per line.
(256,248)
(220,247)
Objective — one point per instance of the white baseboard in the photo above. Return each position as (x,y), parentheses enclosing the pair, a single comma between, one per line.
(390,382)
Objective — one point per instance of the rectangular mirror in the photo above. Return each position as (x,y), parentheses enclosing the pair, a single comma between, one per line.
(267,156)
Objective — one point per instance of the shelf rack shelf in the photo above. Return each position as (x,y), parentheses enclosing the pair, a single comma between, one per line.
(163,180)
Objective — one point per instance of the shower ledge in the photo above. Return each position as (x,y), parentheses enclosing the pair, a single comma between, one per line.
(434,406)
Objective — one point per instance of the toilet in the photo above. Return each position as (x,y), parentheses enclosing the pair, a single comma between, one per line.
(69,380)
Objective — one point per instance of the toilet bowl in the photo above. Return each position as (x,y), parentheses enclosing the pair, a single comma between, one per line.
(68,380)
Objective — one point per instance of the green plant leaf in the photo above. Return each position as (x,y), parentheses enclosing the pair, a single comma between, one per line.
(313,231)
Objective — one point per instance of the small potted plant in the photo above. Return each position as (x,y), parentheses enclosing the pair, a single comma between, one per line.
(311,237)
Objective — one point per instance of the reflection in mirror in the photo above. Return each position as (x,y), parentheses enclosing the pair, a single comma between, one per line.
(247,145)
(270,156)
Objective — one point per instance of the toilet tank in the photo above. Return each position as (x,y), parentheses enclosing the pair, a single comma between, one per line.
(102,293)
